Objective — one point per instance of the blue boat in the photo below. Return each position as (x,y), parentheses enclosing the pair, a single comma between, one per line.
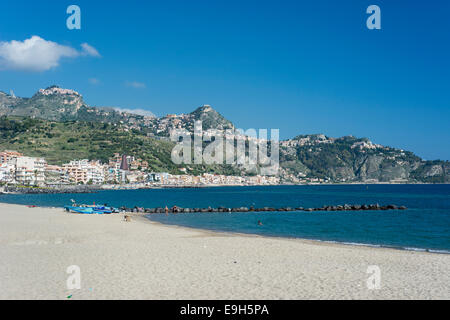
(106,210)
(93,209)
(90,210)
(83,210)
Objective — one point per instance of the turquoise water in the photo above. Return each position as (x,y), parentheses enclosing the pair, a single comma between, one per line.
(424,226)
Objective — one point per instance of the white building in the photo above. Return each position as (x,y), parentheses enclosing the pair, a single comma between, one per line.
(28,170)
(83,171)
(6,173)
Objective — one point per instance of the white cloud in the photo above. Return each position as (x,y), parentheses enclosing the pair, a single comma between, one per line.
(37,54)
(141,112)
(89,50)
(135,84)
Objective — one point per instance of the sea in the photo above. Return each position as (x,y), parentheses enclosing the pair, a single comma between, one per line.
(424,226)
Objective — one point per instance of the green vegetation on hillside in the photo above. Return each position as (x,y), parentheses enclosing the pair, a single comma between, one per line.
(61,142)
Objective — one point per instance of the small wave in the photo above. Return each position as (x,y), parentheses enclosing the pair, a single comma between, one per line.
(387,246)
(360,244)
(439,251)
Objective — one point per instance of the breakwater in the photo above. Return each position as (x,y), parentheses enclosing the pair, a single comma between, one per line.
(49,190)
(179,210)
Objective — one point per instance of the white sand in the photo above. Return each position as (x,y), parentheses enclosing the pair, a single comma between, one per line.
(145,260)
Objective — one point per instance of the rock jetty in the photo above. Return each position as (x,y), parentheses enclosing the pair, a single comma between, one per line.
(179,210)
(35,190)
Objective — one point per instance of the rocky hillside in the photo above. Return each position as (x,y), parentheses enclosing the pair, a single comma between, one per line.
(7,103)
(211,119)
(305,158)
(349,159)
(57,104)
(61,142)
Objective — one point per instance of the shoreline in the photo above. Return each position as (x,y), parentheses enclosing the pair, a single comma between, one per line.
(144,259)
(96,188)
(210,232)
(143,217)
(303,240)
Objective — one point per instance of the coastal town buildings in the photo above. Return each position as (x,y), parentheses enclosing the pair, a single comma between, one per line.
(7,155)
(28,170)
(15,168)
(56,175)
(85,172)
(6,173)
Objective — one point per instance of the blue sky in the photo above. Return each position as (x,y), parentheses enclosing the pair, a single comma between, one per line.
(300,66)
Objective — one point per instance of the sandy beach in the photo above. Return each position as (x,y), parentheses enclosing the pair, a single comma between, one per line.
(145,260)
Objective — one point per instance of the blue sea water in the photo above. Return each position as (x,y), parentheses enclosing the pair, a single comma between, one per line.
(425,225)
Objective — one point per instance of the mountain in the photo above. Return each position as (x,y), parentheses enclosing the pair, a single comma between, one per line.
(57,124)
(57,104)
(211,119)
(350,159)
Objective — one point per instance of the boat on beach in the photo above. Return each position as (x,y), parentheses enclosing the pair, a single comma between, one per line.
(81,210)
(90,209)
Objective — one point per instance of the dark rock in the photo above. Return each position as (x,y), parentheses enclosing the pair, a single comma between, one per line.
(374,207)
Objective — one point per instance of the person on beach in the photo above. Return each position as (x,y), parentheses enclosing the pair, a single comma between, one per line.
(166,210)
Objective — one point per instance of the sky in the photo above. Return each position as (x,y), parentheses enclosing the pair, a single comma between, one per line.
(299,66)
